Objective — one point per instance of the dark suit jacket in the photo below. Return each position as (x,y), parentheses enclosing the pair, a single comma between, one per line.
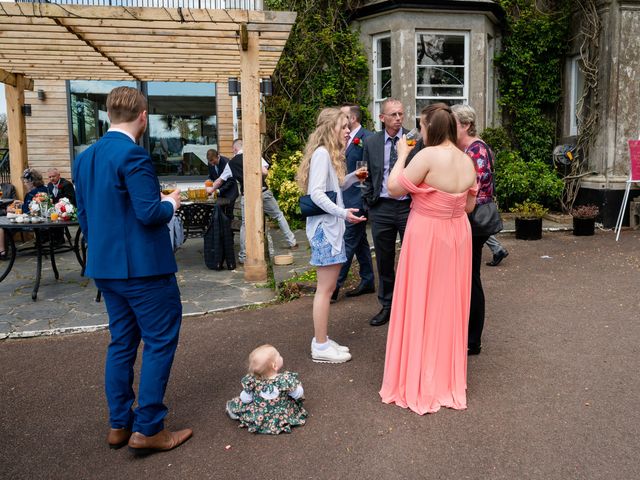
(374,156)
(228,190)
(352,197)
(120,212)
(65,190)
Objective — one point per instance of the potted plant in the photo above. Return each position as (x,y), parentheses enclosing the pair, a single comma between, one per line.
(584,219)
(528,220)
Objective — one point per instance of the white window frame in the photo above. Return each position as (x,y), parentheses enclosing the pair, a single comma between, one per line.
(465,88)
(377,88)
(575,74)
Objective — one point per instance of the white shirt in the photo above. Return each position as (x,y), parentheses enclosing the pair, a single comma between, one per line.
(226,173)
(352,135)
(323,178)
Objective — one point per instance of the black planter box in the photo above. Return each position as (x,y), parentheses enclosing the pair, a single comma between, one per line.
(583,227)
(528,228)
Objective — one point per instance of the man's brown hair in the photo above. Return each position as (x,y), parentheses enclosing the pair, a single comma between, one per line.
(125,104)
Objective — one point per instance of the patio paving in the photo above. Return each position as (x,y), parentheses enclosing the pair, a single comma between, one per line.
(68,305)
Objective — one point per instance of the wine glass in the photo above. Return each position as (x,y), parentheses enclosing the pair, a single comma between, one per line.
(362,175)
(412,137)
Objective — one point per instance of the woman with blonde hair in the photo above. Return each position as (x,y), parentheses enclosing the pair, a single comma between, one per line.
(323,169)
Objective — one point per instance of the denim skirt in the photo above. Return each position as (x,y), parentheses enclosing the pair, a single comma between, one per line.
(321,250)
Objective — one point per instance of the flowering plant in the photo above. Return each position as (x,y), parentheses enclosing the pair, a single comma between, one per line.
(65,209)
(357,142)
(40,205)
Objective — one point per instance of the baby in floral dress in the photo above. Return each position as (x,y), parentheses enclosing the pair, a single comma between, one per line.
(270,402)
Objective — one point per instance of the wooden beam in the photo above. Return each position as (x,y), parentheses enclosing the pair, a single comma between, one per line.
(17,132)
(9,78)
(255,267)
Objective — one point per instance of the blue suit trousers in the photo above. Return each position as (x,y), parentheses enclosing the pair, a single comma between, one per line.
(356,243)
(146,308)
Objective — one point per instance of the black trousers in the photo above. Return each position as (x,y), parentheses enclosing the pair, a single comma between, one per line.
(476,313)
(388,219)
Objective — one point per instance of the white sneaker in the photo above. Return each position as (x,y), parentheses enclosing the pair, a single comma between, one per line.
(340,348)
(329,355)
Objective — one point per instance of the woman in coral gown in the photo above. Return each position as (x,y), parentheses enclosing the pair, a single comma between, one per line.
(426,360)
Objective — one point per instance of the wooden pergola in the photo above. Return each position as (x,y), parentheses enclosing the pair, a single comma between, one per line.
(45,41)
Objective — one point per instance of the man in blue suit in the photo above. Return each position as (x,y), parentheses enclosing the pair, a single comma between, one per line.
(355,236)
(124,219)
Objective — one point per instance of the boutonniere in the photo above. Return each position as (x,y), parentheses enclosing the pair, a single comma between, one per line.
(357,142)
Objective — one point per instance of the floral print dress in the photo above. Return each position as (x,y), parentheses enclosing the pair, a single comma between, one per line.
(272,410)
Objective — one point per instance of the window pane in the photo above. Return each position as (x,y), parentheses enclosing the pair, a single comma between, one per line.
(437,91)
(89,119)
(182,126)
(384,52)
(421,103)
(438,49)
(384,83)
(440,76)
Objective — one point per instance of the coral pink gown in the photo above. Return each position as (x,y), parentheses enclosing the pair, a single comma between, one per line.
(426,362)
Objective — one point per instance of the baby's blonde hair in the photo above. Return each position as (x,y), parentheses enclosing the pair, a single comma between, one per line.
(262,360)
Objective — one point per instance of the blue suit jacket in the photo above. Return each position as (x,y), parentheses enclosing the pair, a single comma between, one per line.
(352,197)
(120,212)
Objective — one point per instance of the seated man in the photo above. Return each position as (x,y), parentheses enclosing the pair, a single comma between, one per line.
(59,187)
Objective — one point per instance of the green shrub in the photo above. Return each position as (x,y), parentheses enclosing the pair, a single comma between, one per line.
(528,210)
(518,181)
(497,138)
(281,181)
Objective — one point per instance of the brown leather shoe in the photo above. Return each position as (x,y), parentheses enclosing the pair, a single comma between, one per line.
(140,444)
(118,437)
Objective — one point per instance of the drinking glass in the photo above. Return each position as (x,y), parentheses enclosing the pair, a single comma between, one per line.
(361,176)
(412,136)
(169,187)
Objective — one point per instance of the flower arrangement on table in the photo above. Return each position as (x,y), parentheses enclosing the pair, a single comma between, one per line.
(65,210)
(40,205)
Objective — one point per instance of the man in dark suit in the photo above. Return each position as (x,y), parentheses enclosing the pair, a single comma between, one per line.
(124,219)
(228,190)
(388,215)
(59,187)
(355,235)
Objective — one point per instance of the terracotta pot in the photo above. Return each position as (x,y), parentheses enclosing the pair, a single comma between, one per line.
(583,227)
(528,228)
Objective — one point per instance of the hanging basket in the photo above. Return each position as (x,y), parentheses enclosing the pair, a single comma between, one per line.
(583,227)
(528,228)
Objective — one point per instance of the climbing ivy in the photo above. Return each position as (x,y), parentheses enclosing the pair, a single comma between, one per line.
(530,67)
(323,64)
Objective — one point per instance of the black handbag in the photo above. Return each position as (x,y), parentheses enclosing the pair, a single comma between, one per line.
(308,208)
(485,219)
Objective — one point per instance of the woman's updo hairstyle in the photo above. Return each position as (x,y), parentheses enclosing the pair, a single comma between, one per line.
(440,123)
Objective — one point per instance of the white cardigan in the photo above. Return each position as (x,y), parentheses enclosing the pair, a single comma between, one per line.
(323,178)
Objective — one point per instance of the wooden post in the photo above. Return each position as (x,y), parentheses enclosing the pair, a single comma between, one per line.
(17,132)
(255,267)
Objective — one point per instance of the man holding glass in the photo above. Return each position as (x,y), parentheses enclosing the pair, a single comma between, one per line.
(355,236)
(388,214)
(124,217)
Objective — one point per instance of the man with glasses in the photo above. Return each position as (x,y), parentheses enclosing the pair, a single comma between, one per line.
(387,214)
